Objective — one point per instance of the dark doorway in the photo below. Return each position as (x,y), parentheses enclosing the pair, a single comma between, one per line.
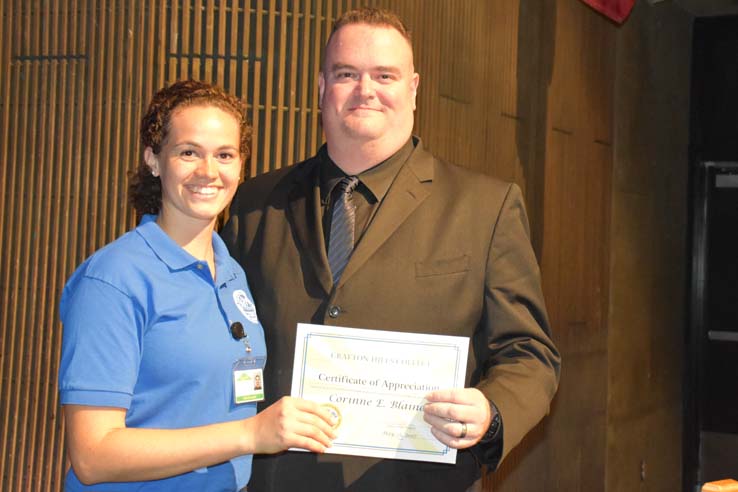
(711,406)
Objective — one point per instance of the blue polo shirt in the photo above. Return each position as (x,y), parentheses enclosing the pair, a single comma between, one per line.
(147,329)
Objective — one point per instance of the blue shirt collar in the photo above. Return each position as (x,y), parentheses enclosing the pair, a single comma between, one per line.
(174,256)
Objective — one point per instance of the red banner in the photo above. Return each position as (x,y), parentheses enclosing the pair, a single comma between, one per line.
(617,10)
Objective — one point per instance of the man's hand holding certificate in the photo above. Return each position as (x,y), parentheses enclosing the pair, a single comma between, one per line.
(375,383)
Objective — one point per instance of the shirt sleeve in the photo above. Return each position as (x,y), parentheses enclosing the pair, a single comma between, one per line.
(101,344)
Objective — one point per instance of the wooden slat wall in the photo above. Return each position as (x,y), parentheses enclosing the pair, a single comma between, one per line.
(41,88)
(521,89)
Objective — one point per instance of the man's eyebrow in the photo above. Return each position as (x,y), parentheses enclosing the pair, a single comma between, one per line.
(342,66)
(391,69)
(336,67)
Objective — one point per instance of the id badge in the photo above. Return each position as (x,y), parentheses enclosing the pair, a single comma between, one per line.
(248,379)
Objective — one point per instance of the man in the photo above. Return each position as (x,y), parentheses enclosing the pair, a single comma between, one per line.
(436,249)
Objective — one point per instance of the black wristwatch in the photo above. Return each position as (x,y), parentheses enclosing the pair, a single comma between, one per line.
(494,425)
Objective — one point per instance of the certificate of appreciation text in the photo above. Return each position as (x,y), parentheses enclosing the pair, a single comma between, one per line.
(375,381)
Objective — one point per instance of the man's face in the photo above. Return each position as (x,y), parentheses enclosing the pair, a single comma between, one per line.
(368,85)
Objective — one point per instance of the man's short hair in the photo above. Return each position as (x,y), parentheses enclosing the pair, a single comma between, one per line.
(372,16)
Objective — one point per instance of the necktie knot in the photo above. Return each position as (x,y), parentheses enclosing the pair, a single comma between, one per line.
(348,184)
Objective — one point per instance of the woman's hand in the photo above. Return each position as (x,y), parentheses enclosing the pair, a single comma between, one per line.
(292,422)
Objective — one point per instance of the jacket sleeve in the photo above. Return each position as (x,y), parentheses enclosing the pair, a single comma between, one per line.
(521,364)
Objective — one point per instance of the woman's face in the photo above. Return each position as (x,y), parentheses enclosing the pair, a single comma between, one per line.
(199,165)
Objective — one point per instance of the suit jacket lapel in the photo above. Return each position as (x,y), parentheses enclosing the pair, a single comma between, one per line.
(405,195)
(303,204)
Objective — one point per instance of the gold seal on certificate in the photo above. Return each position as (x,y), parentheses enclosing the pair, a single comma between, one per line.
(335,412)
(375,382)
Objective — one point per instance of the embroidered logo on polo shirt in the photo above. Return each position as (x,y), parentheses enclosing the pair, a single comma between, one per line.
(244,304)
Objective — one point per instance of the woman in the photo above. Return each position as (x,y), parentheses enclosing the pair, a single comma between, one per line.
(161,339)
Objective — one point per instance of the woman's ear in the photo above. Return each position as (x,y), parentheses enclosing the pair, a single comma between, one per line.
(152,161)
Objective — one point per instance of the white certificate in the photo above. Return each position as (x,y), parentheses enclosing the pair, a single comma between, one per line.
(375,382)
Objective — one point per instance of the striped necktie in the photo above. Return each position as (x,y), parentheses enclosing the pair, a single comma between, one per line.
(341,241)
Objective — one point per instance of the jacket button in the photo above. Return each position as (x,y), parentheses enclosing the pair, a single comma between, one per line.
(334,311)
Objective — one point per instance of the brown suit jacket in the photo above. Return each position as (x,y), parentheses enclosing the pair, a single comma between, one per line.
(447,252)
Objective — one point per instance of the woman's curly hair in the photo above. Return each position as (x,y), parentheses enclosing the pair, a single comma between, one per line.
(144,191)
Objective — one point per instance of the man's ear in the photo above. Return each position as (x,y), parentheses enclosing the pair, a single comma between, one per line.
(152,161)
(321,89)
(414,87)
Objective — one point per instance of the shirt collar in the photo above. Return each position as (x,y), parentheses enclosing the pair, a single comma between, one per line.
(376,179)
(174,256)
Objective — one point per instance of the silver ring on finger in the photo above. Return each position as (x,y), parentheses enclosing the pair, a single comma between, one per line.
(463,430)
